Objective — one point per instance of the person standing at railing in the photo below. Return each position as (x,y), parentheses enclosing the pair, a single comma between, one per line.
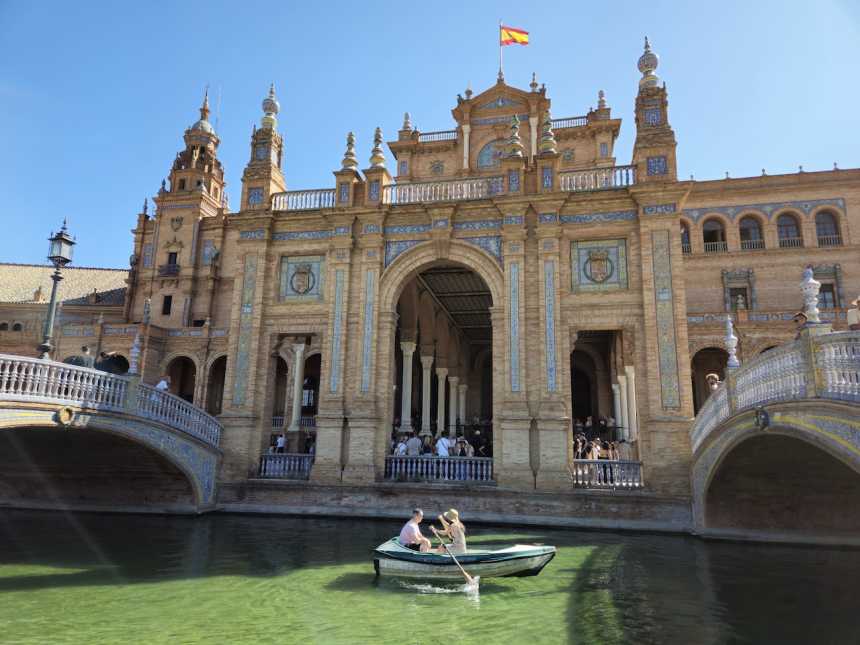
(400,448)
(443,445)
(413,446)
(164,384)
(280,442)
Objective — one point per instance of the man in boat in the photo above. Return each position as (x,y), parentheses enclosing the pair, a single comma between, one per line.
(410,534)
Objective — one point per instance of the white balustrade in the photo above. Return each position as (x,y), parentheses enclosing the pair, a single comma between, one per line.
(169,409)
(304,200)
(597,178)
(838,357)
(606,473)
(479,469)
(442,191)
(713,413)
(286,465)
(777,375)
(439,135)
(569,122)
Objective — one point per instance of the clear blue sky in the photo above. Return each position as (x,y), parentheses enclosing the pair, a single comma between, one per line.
(94,97)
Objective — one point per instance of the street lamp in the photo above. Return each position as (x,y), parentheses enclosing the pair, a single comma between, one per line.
(60,254)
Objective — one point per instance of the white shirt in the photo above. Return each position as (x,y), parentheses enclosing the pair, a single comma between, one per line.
(162,385)
(442,447)
(401,449)
(280,442)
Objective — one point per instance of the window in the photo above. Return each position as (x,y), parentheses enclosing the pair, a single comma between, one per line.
(714,236)
(17,327)
(751,237)
(166,305)
(181,184)
(172,257)
(685,238)
(788,231)
(4,326)
(827,297)
(826,229)
(739,298)
(604,149)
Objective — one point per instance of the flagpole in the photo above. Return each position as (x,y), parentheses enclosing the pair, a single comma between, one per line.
(501,73)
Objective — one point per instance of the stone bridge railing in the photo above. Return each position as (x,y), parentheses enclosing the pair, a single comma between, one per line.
(32,380)
(824,366)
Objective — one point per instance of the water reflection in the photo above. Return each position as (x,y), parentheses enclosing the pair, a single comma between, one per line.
(115,578)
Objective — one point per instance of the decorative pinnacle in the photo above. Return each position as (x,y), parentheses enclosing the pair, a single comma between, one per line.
(601,100)
(204,109)
(271,107)
(547,138)
(810,288)
(647,64)
(731,344)
(469,90)
(377,157)
(534,84)
(407,121)
(145,205)
(515,145)
(349,160)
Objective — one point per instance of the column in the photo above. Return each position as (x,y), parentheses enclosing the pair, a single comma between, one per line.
(616,406)
(461,407)
(533,135)
(452,404)
(466,129)
(287,398)
(632,413)
(298,385)
(624,421)
(426,365)
(441,374)
(406,395)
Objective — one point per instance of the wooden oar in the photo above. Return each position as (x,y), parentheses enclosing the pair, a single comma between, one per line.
(469,579)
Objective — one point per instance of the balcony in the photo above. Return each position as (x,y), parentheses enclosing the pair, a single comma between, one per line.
(286,465)
(166,270)
(607,474)
(790,242)
(716,247)
(304,200)
(439,135)
(752,245)
(611,178)
(829,240)
(454,190)
(569,122)
(686,249)
(453,469)
(307,421)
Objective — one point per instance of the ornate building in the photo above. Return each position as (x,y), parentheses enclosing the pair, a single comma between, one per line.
(507,274)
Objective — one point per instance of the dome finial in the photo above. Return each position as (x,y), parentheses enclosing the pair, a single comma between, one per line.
(647,64)
(534,84)
(601,100)
(407,121)
(377,157)
(271,107)
(349,161)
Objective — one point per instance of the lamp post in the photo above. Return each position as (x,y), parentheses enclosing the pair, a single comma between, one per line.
(60,254)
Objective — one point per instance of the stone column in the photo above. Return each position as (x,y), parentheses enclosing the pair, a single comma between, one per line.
(426,365)
(461,406)
(632,413)
(452,404)
(466,129)
(408,349)
(298,385)
(616,405)
(441,374)
(624,420)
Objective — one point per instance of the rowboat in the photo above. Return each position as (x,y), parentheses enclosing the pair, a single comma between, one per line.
(393,559)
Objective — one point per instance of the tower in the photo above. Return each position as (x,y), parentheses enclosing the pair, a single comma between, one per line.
(654,149)
(263,177)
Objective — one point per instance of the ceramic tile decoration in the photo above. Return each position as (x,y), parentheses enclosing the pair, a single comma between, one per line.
(208,252)
(256,234)
(657,165)
(492,244)
(653,116)
(767,209)
(598,265)
(513,220)
(372,228)
(546,177)
(513,181)
(514,299)
(594,218)
(499,119)
(343,193)
(301,235)
(477,225)
(442,223)
(302,277)
(255,196)
(373,191)
(548,218)
(402,167)
(337,331)
(246,323)
(491,154)
(549,326)
(367,341)
(407,229)
(659,209)
(396,247)
(665,310)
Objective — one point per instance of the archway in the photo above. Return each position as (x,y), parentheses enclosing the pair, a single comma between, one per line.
(710,360)
(113,363)
(183,377)
(215,385)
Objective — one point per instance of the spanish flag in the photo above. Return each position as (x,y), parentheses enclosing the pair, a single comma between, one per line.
(512,36)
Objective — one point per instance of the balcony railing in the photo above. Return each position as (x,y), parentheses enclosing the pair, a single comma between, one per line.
(686,249)
(829,240)
(469,469)
(716,247)
(439,135)
(443,191)
(286,465)
(607,473)
(280,423)
(751,245)
(168,269)
(790,242)
(598,178)
(569,122)
(304,200)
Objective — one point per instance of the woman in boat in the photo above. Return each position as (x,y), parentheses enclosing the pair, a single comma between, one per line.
(453,528)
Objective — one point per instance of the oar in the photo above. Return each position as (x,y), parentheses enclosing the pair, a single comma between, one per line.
(469,579)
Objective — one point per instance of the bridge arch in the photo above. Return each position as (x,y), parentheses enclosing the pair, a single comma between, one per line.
(794,479)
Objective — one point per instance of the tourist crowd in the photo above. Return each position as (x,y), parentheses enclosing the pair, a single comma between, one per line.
(415,445)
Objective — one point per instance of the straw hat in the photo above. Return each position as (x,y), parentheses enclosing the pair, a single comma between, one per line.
(452,515)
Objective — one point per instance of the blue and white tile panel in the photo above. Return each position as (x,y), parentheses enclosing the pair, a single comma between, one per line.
(549,325)
(367,341)
(514,303)
(337,331)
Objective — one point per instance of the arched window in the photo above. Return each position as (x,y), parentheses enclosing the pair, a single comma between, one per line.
(714,236)
(4,326)
(827,230)
(788,231)
(17,327)
(751,237)
(685,239)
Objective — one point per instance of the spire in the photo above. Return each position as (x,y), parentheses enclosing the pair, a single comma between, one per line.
(547,138)
(204,109)
(407,121)
(377,157)
(601,100)
(145,205)
(647,64)
(515,145)
(271,107)
(349,161)
(534,84)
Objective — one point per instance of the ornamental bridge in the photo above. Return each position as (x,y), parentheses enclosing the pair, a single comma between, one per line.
(776,448)
(76,437)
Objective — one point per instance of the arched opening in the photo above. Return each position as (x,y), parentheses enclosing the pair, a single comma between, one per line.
(183,377)
(113,363)
(773,482)
(788,231)
(311,390)
(686,247)
(767,349)
(4,326)
(583,385)
(714,236)
(17,327)
(751,235)
(711,360)
(215,385)
(827,229)
(84,467)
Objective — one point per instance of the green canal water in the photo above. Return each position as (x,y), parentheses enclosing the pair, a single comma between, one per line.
(90,579)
